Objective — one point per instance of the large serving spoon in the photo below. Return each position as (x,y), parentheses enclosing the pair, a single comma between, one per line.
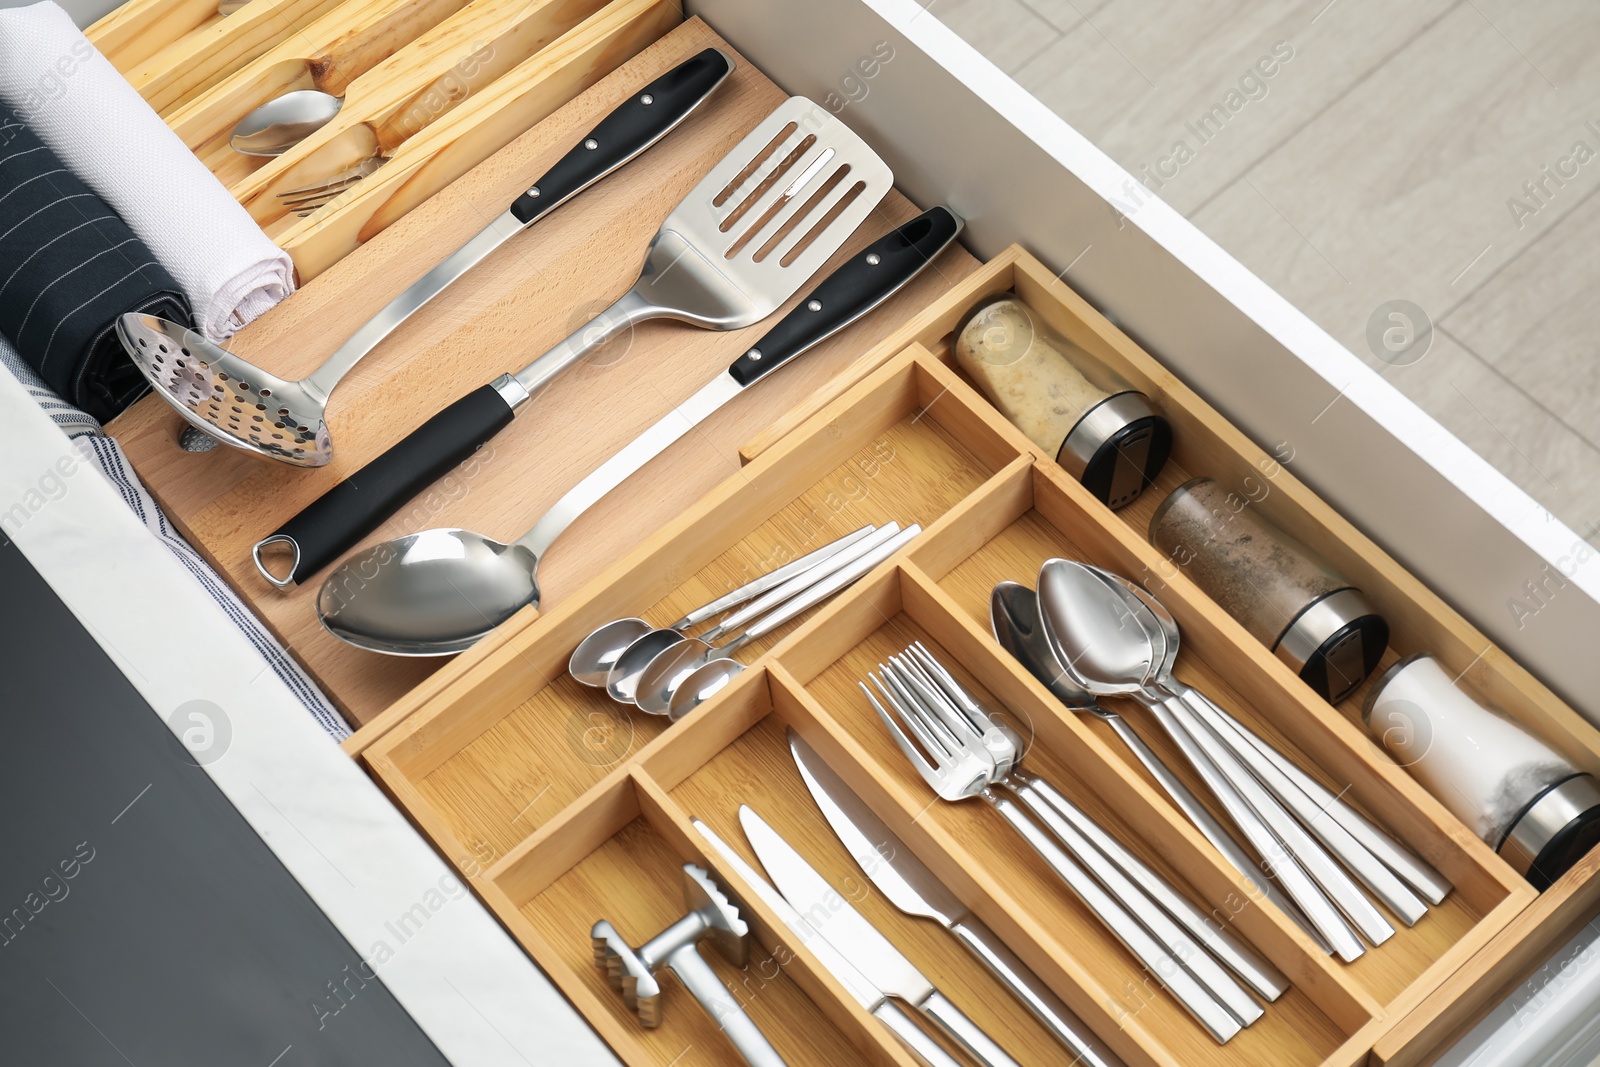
(439,591)
(1014,617)
(1105,649)
(1320,819)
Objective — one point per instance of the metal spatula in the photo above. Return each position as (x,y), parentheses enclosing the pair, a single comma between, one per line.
(742,242)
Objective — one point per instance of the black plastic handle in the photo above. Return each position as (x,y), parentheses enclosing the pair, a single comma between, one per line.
(867,280)
(358,505)
(634,125)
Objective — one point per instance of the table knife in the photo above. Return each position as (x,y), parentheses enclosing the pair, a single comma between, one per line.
(871,998)
(909,885)
(842,926)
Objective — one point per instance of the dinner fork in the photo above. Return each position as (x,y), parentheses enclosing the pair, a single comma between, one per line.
(958,771)
(947,702)
(305,199)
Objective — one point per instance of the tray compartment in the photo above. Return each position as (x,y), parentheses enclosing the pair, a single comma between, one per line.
(1045,515)
(1315,1022)
(499,766)
(624,863)
(171,50)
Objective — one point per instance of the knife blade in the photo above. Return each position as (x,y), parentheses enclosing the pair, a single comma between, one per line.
(908,884)
(847,930)
(868,996)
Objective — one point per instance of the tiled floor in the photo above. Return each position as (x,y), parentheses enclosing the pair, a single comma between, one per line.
(1355,152)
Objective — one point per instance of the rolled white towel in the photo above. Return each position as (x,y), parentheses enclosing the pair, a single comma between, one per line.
(100,126)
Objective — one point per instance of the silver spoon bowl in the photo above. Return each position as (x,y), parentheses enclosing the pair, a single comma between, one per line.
(283,122)
(592,660)
(705,682)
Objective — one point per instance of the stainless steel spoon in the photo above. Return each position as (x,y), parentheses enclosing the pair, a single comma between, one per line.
(1105,649)
(1317,818)
(625,677)
(596,654)
(1014,617)
(710,678)
(660,678)
(283,122)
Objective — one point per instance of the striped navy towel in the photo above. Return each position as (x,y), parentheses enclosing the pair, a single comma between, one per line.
(107,455)
(68,267)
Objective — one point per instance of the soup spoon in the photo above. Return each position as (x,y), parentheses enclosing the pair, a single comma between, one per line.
(1107,651)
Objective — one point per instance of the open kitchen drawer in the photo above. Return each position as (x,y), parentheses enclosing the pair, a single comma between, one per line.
(543,793)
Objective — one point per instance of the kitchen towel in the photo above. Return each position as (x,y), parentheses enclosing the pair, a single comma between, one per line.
(107,456)
(99,126)
(68,267)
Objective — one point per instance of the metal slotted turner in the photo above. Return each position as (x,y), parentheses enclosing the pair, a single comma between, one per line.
(741,243)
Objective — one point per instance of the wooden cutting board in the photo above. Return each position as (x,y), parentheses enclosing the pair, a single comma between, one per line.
(523,299)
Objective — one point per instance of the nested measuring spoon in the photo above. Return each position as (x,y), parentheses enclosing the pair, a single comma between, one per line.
(1106,650)
(712,676)
(641,676)
(597,653)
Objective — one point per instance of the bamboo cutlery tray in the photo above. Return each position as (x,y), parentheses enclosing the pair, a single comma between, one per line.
(563,808)
(431,88)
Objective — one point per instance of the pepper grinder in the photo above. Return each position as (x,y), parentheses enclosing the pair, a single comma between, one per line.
(1311,616)
(1527,801)
(1103,431)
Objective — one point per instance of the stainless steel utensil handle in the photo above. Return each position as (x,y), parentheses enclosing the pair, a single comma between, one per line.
(798,583)
(912,1036)
(964,1032)
(1259,974)
(771,580)
(415,296)
(822,590)
(1412,869)
(701,981)
(1145,906)
(1296,882)
(1343,891)
(1209,827)
(629,309)
(1037,997)
(1383,882)
(1195,998)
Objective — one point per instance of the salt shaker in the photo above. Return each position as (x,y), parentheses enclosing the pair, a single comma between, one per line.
(1527,801)
(1311,616)
(1102,430)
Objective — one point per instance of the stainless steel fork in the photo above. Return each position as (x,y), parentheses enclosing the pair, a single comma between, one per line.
(305,199)
(956,762)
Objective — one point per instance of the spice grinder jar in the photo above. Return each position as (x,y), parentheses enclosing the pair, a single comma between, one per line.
(1103,431)
(1309,614)
(1519,795)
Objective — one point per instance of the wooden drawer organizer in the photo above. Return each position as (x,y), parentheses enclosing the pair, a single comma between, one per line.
(433,87)
(562,808)
(517,303)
